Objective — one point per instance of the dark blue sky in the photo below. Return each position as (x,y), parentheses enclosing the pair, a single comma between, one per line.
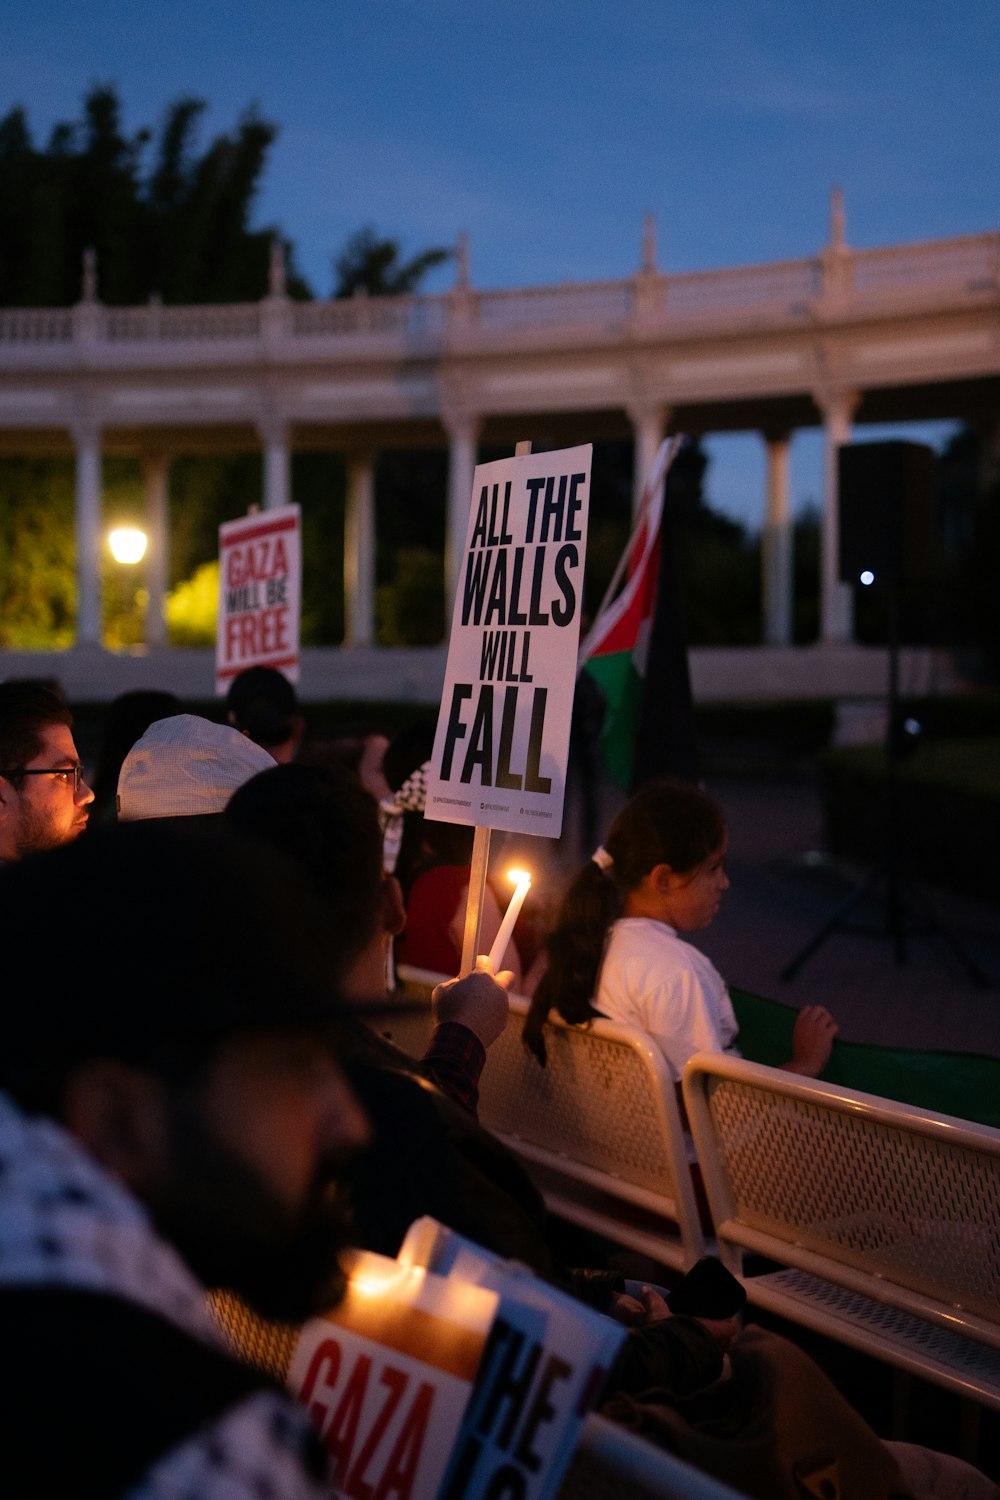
(546,129)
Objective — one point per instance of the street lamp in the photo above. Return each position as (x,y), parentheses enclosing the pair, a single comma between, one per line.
(126,601)
(127,543)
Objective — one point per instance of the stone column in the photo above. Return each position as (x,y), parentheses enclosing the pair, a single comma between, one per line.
(155,471)
(463,432)
(836,600)
(776,558)
(277,462)
(87,442)
(359,552)
(649,424)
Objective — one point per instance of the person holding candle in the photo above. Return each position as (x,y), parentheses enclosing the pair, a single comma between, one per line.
(428,1154)
(436,906)
(325,820)
(433,863)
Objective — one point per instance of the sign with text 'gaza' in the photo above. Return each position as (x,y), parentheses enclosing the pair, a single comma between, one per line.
(260,586)
(386,1376)
(502,738)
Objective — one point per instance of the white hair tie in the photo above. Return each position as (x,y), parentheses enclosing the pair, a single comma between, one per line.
(602,859)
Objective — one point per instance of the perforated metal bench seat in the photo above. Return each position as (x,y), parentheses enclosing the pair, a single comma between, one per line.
(599,1127)
(884,1219)
(964,1365)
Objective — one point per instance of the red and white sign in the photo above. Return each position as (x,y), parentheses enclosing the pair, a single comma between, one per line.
(544,1367)
(260,592)
(387,1376)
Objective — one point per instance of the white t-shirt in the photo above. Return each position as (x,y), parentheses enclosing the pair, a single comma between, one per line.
(653,979)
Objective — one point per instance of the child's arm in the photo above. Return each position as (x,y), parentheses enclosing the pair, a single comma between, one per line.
(812,1039)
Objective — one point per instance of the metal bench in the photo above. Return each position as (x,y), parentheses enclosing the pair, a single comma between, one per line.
(611,1461)
(599,1127)
(881,1221)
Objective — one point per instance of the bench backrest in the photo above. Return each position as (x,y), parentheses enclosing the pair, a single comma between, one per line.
(897,1203)
(602,1121)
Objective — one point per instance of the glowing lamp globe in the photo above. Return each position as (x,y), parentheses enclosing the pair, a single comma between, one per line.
(128,544)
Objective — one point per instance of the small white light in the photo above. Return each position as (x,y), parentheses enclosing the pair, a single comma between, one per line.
(868,578)
(128,544)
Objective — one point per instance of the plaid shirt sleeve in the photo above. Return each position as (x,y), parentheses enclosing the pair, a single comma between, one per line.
(454,1061)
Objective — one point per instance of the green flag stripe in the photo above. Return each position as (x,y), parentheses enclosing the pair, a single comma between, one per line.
(621,685)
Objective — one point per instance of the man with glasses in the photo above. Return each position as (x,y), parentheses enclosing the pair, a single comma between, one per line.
(43,796)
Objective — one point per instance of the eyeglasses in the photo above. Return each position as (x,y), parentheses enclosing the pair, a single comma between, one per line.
(68,773)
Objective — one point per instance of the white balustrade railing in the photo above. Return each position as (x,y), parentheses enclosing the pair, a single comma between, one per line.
(407,316)
(967,265)
(782,292)
(785,287)
(36,325)
(545,306)
(155,323)
(131,324)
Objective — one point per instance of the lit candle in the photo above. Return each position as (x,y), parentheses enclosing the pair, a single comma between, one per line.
(521,889)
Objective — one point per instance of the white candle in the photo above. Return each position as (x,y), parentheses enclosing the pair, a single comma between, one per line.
(510,917)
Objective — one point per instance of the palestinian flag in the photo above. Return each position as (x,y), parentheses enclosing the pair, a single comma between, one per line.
(616,648)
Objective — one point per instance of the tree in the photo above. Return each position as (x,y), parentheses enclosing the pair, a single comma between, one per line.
(807,544)
(371,265)
(717,563)
(171,218)
(38,596)
(177,226)
(970,527)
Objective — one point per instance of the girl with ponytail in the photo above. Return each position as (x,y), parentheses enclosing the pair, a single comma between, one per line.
(616,949)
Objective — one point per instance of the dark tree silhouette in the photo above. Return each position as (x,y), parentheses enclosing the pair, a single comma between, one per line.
(370,264)
(178,228)
(170,217)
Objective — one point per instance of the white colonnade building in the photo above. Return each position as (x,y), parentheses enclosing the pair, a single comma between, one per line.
(896,334)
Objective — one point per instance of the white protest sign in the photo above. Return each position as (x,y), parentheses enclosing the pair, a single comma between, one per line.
(387,1376)
(502,741)
(260,587)
(544,1367)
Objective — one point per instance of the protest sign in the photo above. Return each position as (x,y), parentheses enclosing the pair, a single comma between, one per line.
(544,1367)
(260,586)
(387,1375)
(502,740)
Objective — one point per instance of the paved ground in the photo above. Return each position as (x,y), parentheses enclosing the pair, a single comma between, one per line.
(785,888)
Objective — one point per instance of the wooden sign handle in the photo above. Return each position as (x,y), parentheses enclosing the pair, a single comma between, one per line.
(480,862)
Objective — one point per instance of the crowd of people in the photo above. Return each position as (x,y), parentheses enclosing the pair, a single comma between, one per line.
(196,1091)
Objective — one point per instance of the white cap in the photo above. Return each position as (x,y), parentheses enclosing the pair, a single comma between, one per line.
(186,766)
